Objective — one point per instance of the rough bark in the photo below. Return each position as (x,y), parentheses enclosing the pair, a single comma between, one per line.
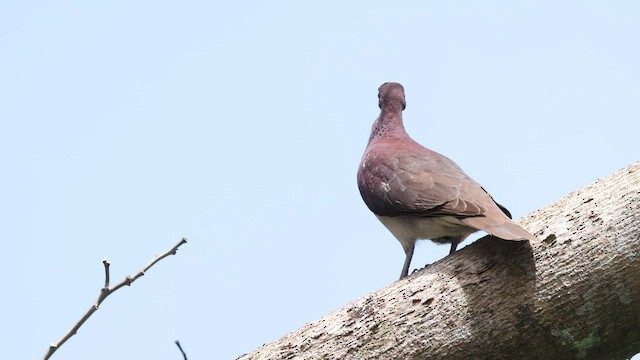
(573,294)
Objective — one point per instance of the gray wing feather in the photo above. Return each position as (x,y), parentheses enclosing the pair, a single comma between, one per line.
(421,185)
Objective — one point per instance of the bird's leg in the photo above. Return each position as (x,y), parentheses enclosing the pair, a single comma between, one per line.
(455,240)
(454,245)
(407,260)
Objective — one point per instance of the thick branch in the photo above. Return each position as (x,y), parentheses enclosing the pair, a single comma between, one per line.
(574,294)
(105,292)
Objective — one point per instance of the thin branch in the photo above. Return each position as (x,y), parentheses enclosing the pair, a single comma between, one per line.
(105,292)
(182,351)
(106,272)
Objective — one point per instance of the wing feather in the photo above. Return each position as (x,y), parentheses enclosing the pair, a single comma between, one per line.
(413,184)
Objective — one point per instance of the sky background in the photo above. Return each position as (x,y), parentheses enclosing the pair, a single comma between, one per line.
(125,126)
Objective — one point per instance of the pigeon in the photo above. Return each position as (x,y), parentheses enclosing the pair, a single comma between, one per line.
(418,193)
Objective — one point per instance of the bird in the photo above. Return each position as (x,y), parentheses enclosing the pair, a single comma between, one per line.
(418,193)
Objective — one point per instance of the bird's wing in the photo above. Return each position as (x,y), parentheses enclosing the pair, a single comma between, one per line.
(421,184)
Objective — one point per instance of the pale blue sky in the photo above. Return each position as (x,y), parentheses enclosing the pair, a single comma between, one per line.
(127,125)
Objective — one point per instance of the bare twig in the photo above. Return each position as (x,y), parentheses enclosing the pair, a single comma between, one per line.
(182,351)
(106,291)
(106,272)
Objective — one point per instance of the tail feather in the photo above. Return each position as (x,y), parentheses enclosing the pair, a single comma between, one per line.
(508,230)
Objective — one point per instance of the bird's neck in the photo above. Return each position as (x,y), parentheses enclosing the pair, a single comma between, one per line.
(388,125)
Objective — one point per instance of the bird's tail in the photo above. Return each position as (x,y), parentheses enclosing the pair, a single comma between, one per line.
(507,230)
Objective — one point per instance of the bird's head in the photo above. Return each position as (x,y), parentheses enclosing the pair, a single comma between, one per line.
(391,97)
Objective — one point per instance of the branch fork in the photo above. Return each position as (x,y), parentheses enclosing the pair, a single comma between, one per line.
(106,291)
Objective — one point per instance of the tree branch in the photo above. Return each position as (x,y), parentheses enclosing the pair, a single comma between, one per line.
(105,292)
(184,355)
(574,294)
